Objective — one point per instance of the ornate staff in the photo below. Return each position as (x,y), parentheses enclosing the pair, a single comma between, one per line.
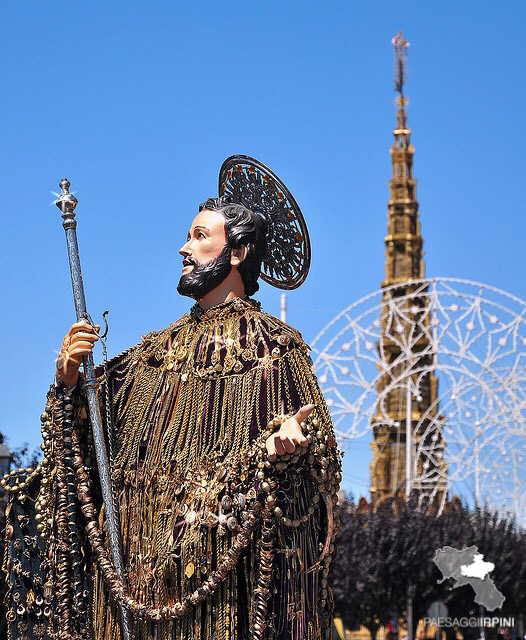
(67,203)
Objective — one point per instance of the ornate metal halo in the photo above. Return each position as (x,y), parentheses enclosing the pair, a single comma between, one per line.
(252,184)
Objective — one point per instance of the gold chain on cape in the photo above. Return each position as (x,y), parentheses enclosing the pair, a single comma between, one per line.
(190,403)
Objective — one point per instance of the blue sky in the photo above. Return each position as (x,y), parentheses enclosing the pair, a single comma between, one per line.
(138,104)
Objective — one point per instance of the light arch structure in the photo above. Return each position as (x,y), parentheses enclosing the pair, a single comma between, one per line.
(472,338)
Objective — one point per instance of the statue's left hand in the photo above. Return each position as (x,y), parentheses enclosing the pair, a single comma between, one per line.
(289,435)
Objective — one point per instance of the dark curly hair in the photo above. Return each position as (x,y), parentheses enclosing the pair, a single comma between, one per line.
(243,227)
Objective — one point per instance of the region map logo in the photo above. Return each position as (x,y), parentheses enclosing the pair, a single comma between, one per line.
(467,566)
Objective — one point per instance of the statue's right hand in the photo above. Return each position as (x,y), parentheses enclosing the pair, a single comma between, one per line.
(77,343)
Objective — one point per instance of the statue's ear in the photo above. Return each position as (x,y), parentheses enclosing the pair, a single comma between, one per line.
(238,255)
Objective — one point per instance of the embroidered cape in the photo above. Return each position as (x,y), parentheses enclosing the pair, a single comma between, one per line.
(218,541)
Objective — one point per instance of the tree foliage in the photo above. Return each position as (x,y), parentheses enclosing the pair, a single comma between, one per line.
(386,554)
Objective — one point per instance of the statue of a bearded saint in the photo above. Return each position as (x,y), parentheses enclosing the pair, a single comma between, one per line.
(224,465)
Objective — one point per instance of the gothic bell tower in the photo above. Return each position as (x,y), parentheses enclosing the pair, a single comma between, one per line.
(403,257)
(404,264)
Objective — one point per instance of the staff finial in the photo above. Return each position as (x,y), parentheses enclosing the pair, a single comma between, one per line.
(66,201)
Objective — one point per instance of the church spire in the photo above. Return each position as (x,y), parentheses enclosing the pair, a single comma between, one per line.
(392,468)
(403,241)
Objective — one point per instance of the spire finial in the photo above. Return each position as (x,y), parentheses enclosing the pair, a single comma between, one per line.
(400,62)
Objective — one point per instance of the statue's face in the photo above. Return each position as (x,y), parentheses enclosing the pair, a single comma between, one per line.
(206,255)
(206,239)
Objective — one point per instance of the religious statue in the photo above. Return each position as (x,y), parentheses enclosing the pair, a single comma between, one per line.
(224,466)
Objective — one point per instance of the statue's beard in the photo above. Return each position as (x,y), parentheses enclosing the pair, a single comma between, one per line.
(205,277)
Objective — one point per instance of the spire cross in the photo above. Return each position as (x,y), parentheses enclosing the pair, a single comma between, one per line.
(400,63)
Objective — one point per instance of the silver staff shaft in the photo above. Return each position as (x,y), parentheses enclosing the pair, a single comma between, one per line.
(67,203)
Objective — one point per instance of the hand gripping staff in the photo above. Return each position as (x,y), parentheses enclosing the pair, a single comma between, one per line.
(67,203)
